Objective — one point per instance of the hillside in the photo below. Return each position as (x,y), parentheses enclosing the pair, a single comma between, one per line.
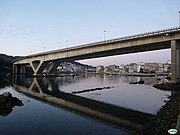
(5,62)
(80,64)
(8,58)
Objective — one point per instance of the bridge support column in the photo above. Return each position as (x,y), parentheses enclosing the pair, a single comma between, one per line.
(38,67)
(53,67)
(22,69)
(175,61)
(16,70)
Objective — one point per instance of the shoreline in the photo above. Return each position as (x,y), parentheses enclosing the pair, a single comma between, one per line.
(168,115)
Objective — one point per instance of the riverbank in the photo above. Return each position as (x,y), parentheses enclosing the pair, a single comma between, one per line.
(168,86)
(166,117)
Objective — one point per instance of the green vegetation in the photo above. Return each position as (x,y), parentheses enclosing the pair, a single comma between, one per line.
(4,68)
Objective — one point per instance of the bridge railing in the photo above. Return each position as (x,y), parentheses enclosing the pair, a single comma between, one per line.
(163,31)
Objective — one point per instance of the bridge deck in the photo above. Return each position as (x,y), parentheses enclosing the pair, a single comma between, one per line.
(126,38)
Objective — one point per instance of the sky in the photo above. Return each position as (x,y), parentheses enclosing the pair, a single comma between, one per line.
(33,26)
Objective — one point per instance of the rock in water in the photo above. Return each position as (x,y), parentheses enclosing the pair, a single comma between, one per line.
(7,102)
(7,94)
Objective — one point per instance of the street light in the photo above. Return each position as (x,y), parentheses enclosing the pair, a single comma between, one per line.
(44,52)
(67,43)
(105,34)
(44,49)
(179,18)
(67,47)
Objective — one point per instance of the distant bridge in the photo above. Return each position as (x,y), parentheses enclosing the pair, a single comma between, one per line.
(162,39)
(47,90)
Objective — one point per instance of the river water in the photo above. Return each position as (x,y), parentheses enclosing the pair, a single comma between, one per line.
(46,110)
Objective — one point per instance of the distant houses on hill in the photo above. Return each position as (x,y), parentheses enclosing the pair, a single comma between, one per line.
(75,67)
(141,67)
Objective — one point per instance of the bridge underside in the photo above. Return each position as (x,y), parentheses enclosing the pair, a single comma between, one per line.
(49,66)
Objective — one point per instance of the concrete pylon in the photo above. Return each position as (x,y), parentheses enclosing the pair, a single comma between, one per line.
(175,61)
(16,70)
(38,67)
(53,67)
(22,69)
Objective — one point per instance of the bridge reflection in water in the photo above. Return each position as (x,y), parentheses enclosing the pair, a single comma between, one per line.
(46,89)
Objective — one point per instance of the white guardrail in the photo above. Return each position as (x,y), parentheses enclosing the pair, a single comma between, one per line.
(164,31)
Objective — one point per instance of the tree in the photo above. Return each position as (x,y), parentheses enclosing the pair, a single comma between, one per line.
(2,64)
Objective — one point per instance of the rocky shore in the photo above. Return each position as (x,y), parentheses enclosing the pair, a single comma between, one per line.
(7,102)
(166,117)
(168,86)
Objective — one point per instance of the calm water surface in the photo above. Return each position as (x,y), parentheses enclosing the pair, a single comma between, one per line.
(39,117)
(139,97)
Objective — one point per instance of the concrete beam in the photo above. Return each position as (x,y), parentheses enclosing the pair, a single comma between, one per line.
(141,44)
(133,44)
(14,70)
(38,67)
(175,61)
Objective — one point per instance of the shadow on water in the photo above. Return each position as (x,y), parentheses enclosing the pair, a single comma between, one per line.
(47,90)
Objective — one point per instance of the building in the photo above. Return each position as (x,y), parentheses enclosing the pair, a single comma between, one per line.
(132,68)
(122,69)
(100,69)
(111,69)
(140,66)
(150,67)
(167,66)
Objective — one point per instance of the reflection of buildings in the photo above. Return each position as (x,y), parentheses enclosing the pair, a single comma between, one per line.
(46,89)
(147,80)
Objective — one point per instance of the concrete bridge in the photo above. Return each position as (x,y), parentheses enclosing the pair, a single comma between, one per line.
(46,90)
(162,39)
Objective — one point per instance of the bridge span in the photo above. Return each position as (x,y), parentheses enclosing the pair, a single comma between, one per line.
(162,39)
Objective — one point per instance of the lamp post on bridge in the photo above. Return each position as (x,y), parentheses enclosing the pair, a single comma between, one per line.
(67,46)
(105,34)
(67,43)
(179,18)
(44,52)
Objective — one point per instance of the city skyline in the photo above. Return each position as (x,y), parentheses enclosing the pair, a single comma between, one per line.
(29,27)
